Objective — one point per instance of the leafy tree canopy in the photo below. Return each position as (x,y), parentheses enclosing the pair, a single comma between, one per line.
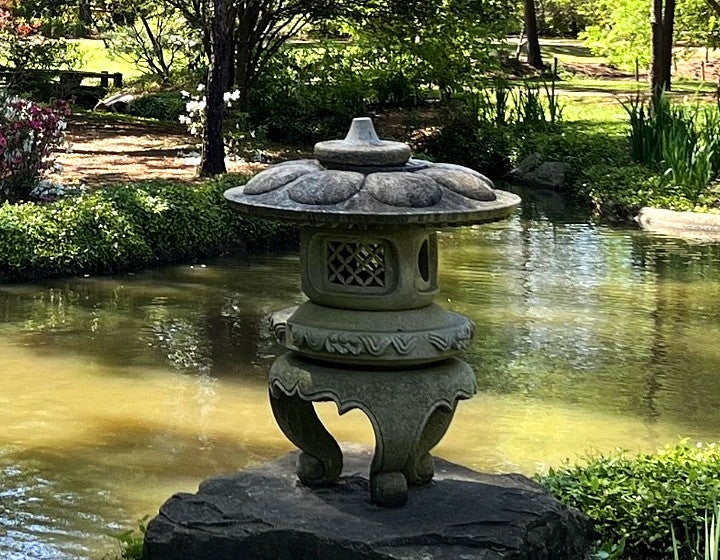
(452,42)
(621,29)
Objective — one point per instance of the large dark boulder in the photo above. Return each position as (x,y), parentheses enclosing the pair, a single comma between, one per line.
(263,513)
(534,172)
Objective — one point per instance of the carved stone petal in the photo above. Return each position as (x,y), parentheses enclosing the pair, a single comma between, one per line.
(279,175)
(462,181)
(409,190)
(326,187)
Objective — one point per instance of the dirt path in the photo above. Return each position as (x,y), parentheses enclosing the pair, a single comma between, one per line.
(104,151)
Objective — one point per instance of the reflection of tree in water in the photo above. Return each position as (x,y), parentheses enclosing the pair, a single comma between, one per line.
(607,318)
(186,347)
(219,339)
(190,320)
(681,374)
(551,302)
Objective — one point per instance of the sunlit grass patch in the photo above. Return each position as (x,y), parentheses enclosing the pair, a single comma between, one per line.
(97,58)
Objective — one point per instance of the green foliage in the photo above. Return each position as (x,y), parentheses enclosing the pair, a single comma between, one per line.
(467,139)
(23,46)
(132,541)
(34,57)
(480,130)
(580,145)
(447,45)
(620,32)
(620,29)
(125,227)
(643,499)
(609,551)
(307,96)
(671,159)
(697,24)
(562,18)
(619,191)
(528,106)
(163,106)
(645,130)
(155,36)
(681,141)
(534,111)
(706,545)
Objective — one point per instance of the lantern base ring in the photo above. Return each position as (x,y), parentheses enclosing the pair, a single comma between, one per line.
(410,411)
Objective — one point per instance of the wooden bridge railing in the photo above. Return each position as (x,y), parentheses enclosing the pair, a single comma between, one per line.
(68,78)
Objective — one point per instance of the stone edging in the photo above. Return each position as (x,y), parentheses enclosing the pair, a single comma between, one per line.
(694,225)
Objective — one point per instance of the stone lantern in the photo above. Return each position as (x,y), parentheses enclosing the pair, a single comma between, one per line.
(370,336)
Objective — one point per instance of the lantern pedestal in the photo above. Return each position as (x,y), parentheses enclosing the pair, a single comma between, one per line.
(263,513)
(409,409)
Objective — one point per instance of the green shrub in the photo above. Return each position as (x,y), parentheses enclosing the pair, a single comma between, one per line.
(579,145)
(163,106)
(306,99)
(480,130)
(644,499)
(619,191)
(131,542)
(679,140)
(466,139)
(127,227)
(705,545)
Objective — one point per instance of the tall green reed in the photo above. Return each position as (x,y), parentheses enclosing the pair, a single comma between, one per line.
(681,141)
(525,105)
(705,546)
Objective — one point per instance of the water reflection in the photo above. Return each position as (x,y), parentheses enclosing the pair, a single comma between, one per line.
(117,392)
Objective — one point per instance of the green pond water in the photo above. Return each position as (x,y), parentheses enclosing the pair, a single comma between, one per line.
(117,392)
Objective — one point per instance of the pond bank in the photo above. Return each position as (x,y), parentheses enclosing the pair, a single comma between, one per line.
(688,225)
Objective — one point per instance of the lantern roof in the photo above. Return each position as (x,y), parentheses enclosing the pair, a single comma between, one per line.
(367,181)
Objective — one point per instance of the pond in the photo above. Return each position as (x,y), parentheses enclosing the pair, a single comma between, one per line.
(117,392)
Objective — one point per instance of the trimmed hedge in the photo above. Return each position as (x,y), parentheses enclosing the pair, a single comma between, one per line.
(162,106)
(127,227)
(636,500)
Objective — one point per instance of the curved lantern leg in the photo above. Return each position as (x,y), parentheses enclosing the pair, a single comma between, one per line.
(403,441)
(420,468)
(321,459)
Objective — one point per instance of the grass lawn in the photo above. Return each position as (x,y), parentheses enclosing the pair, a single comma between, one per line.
(592,108)
(97,58)
(571,53)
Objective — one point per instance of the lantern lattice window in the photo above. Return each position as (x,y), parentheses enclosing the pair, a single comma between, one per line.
(356,264)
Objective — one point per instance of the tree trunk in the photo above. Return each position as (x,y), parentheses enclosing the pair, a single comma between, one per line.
(656,71)
(213,149)
(242,74)
(668,26)
(85,17)
(247,27)
(662,23)
(531,30)
(231,63)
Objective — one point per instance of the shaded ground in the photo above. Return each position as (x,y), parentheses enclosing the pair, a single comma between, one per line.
(104,150)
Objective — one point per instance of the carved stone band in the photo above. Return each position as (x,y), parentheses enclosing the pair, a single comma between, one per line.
(418,336)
